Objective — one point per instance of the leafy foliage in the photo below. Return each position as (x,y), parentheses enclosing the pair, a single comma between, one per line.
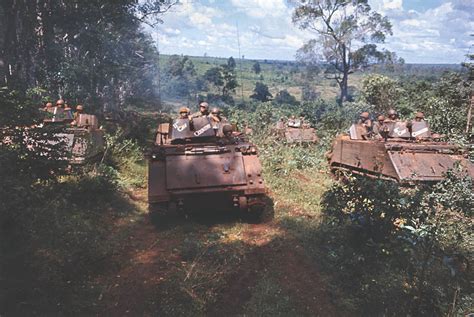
(418,236)
(88,52)
(284,97)
(261,92)
(382,92)
(257,68)
(339,25)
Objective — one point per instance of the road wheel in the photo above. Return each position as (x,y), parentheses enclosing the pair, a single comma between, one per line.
(260,210)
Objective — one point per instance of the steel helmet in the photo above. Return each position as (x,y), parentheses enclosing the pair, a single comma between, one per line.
(392,112)
(227,129)
(60,102)
(184,110)
(215,110)
(381,118)
(79,107)
(420,115)
(49,105)
(364,115)
(204,105)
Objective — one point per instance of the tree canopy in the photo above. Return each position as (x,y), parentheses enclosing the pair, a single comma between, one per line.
(261,92)
(87,51)
(343,29)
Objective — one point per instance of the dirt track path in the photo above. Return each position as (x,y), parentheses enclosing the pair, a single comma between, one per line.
(152,259)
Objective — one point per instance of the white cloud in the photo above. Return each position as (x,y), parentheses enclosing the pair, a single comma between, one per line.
(439,34)
(261,8)
(200,20)
(392,4)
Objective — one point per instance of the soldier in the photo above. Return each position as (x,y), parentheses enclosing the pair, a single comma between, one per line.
(364,120)
(79,111)
(227,134)
(68,115)
(216,116)
(217,121)
(420,116)
(60,103)
(48,107)
(366,124)
(280,124)
(392,115)
(203,110)
(379,127)
(184,113)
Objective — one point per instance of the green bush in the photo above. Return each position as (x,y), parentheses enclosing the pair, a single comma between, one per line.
(410,245)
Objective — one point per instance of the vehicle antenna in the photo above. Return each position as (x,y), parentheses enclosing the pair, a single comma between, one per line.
(240,64)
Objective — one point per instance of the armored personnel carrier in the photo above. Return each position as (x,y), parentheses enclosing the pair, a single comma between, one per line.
(194,164)
(296,131)
(82,138)
(407,153)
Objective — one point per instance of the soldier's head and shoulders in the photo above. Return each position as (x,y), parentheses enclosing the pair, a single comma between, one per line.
(203,110)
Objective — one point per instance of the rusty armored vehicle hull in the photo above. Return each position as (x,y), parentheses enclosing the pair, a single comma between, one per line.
(83,145)
(190,168)
(405,160)
(302,134)
(82,138)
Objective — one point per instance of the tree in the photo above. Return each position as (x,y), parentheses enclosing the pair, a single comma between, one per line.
(224,79)
(214,76)
(381,91)
(179,77)
(340,25)
(230,80)
(256,67)
(87,51)
(231,62)
(283,97)
(261,92)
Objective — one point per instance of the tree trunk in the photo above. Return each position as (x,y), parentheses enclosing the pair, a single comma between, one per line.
(343,86)
(345,75)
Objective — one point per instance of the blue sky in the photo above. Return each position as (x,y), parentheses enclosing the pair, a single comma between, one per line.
(424,31)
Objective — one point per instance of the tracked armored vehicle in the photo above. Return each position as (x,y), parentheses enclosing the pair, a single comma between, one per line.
(191,167)
(83,139)
(296,132)
(407,153)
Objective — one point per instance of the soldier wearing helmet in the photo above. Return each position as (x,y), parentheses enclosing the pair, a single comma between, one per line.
(392,115)
(48,106)
(364,121)
(203,110)
(216,115)
(184,113)
(217,121)
(79,111)
(280,124)
(68,115)
(380,127)
(60,103)
(420,116)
